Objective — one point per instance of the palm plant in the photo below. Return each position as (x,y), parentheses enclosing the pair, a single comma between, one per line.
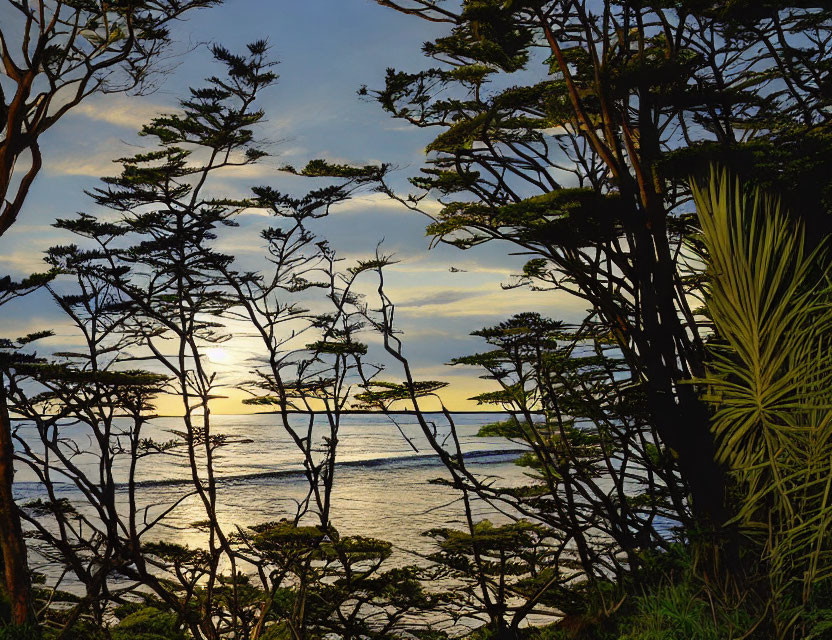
(769,380)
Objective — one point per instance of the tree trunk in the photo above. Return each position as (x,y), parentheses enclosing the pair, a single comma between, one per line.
(17,579)
(680,417)
(684,426)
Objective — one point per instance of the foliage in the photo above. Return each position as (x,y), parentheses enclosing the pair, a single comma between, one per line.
(149,276)
(769,381)
(570,129)
(585,171)
(19,632)
(319,583)
(148,624)
(598,465)
(496,570)
(55,55)
(71,50)
(600,488)
(142,278)
(682,611)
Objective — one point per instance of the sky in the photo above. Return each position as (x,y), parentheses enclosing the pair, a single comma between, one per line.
(327,49)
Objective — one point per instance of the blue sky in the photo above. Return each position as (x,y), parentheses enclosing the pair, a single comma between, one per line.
(327,49)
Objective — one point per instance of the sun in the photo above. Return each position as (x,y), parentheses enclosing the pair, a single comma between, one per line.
(218,355)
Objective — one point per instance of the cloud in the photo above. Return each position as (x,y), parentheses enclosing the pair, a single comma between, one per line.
(121,111)
(368,203)
(269,167)
(484,300)
(101,161)
(23,262)
(23,246)
(65,333)
(100,164)
(440,297)
(380,201)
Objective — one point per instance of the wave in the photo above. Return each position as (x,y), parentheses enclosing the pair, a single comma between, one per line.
(478,457)
(394,461)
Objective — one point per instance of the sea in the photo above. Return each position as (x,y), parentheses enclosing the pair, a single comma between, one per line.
(384,482)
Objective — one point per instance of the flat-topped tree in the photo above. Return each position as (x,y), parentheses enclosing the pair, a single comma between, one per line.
(54,54)
(156,250)
(569,129)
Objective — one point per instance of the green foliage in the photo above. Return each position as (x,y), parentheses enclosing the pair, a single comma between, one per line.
(682,612)
(19,632)
(340,348)
(324,169)
(592,507)
(553,132)
(497,569)
(588,403)
(511,428)
(668,600)
(277,631)
(487,538)
(488,34)
(769,381)
(337,583)
(148,623)
(380,394)
(565,217)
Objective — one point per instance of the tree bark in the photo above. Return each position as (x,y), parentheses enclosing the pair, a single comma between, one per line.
(17,579)
(680,416)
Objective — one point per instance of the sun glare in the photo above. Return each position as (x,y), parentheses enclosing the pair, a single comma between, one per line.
(218,355)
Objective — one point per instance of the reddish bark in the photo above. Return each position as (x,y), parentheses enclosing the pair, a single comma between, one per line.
(17,583)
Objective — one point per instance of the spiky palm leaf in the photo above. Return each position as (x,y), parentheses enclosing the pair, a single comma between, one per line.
(770,378)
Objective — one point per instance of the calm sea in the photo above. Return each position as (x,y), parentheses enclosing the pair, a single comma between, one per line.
(382,485)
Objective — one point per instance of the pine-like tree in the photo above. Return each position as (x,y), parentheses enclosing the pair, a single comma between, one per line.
(570,128)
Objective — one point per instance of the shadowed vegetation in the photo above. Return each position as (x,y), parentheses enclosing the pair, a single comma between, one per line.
(666,163)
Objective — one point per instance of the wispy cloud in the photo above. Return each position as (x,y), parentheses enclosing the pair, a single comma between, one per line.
(101,164)
(381,202)
(63,330)
(440,297)
(23,262)
(483,300)
(102,160)
(121,111)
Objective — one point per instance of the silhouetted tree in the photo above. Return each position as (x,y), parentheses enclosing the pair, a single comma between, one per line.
(569,129)
(54,54)
(602,489)
(158,256)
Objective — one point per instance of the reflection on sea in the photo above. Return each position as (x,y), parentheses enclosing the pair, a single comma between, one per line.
(382,486)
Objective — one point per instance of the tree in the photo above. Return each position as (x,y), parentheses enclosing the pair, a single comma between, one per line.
(156,255)
(15,571)
(328,584)
(601,489)
(54,55)
(498,573)
(87,393)
(311,358)
(586,166)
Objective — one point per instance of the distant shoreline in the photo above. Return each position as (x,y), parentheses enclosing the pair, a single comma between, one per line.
(360,412)
(354,412)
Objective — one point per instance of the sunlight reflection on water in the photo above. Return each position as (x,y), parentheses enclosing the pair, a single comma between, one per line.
(382,486)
